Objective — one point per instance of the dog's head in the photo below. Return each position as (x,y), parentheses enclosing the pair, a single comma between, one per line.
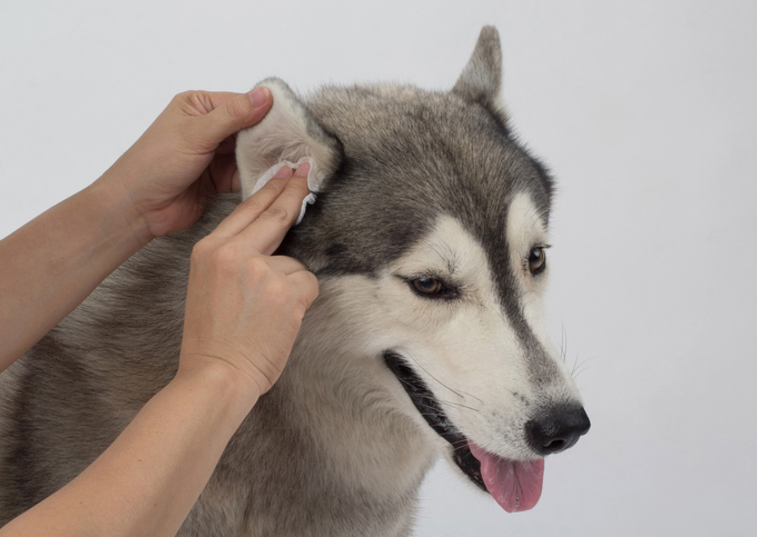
(431,227)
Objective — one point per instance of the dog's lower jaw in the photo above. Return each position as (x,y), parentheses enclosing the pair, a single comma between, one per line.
(429,408)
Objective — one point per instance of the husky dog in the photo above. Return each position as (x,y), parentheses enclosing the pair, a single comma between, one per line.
(428,237)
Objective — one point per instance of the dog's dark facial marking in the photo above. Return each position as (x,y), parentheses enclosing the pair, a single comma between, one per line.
(429,408)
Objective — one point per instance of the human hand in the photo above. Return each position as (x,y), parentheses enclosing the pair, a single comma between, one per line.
(245,307)
(185,157)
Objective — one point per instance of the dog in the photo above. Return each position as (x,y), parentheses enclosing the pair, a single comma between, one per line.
(429,238)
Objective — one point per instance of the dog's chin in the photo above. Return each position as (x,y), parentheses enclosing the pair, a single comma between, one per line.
(429,408)
(515,485)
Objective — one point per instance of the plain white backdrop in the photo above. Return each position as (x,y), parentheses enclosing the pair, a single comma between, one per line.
(643,110)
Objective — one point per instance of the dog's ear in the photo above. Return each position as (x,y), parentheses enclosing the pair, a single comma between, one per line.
(481,79)
(288,133)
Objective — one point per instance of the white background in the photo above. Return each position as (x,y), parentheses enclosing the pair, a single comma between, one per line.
(644,111)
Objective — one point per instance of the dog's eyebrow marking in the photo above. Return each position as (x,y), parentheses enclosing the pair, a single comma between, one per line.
(448,264)
(524,226)
(450,260)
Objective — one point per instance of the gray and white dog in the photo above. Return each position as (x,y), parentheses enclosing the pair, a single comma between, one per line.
(428,237)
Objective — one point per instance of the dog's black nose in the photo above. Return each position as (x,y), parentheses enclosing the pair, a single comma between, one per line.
(558,429)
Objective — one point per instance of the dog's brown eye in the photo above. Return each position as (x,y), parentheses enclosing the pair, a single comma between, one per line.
(429,287)
(537,260)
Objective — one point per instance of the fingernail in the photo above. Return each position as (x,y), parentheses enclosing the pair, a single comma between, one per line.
(259,96)
(284,173)
(303,170)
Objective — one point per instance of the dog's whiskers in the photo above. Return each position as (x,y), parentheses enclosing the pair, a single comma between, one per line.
(564,344)
(460,395)
(580,367)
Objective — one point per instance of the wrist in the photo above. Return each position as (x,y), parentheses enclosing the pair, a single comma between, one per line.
(229,386)
(119,208)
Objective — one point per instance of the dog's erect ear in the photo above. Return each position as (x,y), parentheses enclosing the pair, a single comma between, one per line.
(481,79)
(288,133)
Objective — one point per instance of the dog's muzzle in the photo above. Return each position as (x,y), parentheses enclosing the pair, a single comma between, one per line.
(554,429)
(428,407)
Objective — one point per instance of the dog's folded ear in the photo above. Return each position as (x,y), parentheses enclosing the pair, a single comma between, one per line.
(288,133)
(481,79)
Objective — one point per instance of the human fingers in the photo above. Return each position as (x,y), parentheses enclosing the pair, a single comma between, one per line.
(305,285)
(203,102)
(234,114)
(266,232)
(250,209)
(285,264)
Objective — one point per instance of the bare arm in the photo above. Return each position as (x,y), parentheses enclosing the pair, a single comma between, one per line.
(49,266)
(146,482)
(160,185)
(243,311)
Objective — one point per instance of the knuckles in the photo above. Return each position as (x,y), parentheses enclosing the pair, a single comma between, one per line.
(277,214)
(201,250)
(226,258)
(238,110)
(252,205)
(231,262)
(218,258)
(257,269)
(184,96)
(277,292)
(196,100)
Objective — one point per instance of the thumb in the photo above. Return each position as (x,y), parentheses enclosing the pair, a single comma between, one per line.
(236,113)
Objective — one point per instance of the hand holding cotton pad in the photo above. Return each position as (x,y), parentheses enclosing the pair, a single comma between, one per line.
(287,125)
(312,184)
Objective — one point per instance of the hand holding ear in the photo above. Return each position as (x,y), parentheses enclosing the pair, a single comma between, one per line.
(244,307)
(186,156)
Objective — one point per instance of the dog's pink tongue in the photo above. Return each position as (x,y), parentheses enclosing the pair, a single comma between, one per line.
(515,486)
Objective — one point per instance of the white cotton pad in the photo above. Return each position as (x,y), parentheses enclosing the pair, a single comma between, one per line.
(312,183)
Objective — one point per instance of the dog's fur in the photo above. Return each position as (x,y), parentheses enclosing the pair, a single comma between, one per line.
(414,184)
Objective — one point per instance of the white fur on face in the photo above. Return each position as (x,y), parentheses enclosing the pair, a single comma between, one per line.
(464,348)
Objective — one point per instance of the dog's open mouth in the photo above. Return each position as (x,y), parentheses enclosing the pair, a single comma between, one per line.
(515,485)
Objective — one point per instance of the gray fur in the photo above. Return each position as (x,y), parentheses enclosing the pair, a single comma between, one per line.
(405,156)
(481,79)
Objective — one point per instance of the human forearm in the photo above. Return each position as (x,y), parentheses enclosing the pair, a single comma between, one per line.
(242,314)
(160,463)
(49,266)
(243,310)
(159,186)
